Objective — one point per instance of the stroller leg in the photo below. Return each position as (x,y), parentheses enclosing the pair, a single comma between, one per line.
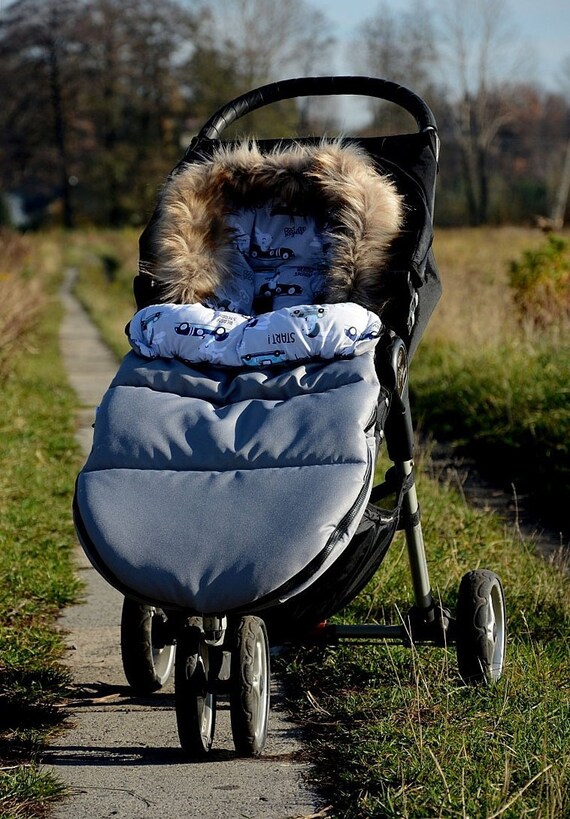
(428,620)
(400,442)
(415,542)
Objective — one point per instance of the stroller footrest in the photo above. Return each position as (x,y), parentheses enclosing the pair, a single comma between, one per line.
(365,631)
(419,627)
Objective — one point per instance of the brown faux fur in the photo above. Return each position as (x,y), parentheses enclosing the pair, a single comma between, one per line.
(194,246)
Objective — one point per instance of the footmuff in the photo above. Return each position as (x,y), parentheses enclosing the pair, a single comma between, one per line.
(212,489)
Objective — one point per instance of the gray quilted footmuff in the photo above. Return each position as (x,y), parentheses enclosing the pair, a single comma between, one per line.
(212,489)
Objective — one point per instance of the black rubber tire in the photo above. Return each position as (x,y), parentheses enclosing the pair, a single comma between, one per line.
(195,700)
(250,682)
(147,655)
(481,628)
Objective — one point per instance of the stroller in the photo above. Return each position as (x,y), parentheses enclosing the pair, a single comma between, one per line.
(229,495)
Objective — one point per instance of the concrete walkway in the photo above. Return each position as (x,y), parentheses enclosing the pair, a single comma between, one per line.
(120,756)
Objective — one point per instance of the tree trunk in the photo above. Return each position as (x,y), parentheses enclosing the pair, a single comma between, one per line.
(469,180)
(483,184)
(559,209)
(59,125)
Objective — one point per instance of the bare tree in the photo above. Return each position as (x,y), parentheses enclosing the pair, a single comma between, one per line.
(476,47)
(268,40)
(561,200)
(397,46)
(271,39)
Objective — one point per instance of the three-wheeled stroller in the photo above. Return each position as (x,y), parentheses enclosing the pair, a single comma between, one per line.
(283,286)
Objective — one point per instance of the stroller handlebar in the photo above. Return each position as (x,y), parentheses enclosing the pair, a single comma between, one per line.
(318,86)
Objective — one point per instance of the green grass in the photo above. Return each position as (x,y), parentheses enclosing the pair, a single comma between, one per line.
(39,460)
(395,733)
(509,407)
(25,792)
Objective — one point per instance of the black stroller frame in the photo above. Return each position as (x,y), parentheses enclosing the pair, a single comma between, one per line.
(215,653)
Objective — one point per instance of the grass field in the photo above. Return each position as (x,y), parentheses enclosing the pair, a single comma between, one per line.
(393,731)
(490,381)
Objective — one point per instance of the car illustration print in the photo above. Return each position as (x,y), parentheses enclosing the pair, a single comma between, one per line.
(373,332)
(279,289)
(200,330)
(263,359)
(311,313)
(147,328)
(256,251)
(150,320)
(307,310)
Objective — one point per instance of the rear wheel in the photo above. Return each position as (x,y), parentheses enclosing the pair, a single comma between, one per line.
(147,650)
(250,686)
(481,630)
(195,698)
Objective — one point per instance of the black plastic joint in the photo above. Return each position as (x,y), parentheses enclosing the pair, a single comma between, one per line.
(433,625)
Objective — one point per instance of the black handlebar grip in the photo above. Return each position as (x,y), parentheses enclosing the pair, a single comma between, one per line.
(318,86)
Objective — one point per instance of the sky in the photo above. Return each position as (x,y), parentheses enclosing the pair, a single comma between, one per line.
(541,26)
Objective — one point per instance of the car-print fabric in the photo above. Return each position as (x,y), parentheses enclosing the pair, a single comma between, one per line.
(194,333)
(284,255)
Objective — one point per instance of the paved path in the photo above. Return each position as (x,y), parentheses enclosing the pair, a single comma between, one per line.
(121,755)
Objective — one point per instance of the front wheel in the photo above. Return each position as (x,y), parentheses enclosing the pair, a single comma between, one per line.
(195,699)
(147,650)
(481,629)
(250,686)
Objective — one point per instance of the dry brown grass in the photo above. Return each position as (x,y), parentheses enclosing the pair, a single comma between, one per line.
(477,304)
(21,295)
(30,268)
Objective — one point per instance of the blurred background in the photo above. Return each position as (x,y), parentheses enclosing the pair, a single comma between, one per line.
(101,97)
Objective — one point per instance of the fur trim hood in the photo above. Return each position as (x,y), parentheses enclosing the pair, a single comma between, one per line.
(193,243)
